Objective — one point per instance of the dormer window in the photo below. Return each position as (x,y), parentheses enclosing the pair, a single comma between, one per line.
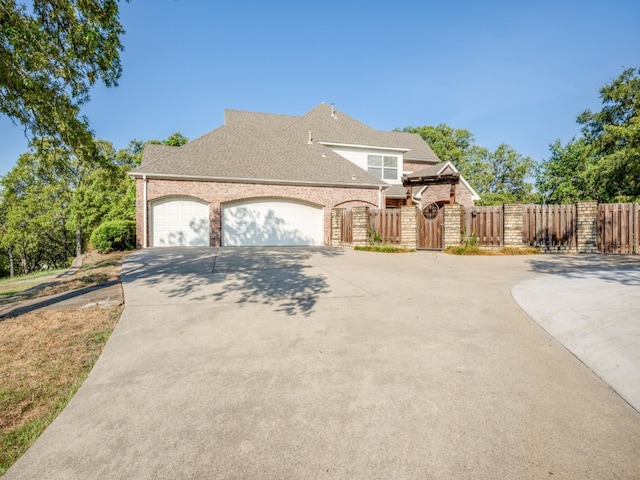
(384,167)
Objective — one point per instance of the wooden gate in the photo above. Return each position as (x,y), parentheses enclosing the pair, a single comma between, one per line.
(430,230)
(619,228)
(346,226)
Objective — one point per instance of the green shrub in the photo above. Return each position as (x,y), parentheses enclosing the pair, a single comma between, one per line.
(114,236)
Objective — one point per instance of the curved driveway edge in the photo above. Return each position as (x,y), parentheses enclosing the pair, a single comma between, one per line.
(591,305)
(333,364)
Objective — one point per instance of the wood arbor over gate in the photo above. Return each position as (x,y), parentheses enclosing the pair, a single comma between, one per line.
(430,224)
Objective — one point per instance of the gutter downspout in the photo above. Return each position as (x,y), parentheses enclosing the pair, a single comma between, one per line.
(380,197)
(144,211)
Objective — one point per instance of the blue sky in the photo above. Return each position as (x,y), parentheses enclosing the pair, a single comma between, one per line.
(515,72)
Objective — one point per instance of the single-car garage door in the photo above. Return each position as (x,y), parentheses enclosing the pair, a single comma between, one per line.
(272,222)
(179,221)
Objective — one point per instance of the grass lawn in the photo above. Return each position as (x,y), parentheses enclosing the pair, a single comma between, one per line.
(45,355)
(12,286)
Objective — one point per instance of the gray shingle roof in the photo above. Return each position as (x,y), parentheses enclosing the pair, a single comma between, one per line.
(396,191)
(430,170)
(266,147)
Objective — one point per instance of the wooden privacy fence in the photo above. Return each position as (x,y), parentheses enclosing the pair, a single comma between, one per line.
(386,225)
(619,228)
(346,226)
(582,228)
(549,226)
(483,224)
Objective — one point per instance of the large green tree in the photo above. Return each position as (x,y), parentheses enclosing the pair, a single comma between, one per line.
(604,162)
(35,207)
(51,202)
(500,176)
(51,53)
(565,177)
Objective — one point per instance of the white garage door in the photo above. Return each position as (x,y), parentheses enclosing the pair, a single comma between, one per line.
(179,222)
(271,222)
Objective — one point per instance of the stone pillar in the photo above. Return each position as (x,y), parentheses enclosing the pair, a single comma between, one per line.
(452,219)
(512,225)
(336,226)
(360,225)
(409,226)
(587,224)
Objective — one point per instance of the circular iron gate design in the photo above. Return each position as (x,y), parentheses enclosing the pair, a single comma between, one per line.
(430,211)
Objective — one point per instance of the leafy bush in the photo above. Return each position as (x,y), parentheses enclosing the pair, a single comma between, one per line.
(114,236)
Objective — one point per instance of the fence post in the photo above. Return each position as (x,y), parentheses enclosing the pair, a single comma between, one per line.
(336,227)
(360,225)
(452,218)
(409,227)
(513,225)
(587,222)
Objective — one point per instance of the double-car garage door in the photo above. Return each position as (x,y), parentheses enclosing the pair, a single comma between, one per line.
(183,221)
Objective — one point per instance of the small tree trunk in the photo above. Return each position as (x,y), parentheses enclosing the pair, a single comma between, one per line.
(12,271)
(23,262)
(64,245)
(78,240)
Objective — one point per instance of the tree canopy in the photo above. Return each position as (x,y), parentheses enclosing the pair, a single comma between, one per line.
(51,201)
(500,176)
(51,53)
(603,163)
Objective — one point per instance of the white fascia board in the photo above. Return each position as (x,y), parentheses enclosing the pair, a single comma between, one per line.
(474,194)
(367,147)
(265,181)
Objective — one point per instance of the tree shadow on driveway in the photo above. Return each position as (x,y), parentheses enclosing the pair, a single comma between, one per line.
(622,269)
(282,278)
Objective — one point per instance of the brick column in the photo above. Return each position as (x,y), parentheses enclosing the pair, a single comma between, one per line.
(452,219)
(587,227)
(512,225)
(360,225)
(409,226)
(336,226)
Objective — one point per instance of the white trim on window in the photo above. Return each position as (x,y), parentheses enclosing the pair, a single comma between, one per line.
(384,167)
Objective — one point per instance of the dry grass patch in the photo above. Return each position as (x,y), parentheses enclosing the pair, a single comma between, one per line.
(475,250)
(96,270)
(45,356)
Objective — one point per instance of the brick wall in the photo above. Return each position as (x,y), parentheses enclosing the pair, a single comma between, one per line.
(587,226)
(441,193)
(512,218)
(360,225)
(218,193)
(452,231)
(409,226)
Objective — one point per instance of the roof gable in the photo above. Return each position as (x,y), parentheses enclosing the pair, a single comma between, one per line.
(281,148)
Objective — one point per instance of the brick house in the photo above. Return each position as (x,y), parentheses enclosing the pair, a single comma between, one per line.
(265,179)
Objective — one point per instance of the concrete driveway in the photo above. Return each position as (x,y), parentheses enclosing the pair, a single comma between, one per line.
(322,363)
(591,304)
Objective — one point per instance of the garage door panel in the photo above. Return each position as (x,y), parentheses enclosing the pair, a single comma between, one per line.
(272,223)
(179,222)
